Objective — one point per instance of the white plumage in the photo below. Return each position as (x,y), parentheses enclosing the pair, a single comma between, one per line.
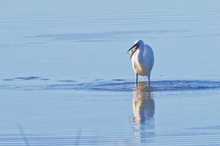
(142,58)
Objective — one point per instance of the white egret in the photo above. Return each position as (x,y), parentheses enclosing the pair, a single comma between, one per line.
(142,58)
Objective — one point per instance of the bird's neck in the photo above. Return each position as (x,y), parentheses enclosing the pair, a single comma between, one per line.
(140,55)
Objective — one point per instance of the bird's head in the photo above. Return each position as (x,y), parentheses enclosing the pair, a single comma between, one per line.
(138,44)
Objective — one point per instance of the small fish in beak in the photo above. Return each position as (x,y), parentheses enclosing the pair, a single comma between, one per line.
(133,49)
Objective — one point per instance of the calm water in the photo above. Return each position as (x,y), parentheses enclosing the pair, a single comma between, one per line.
(65,77)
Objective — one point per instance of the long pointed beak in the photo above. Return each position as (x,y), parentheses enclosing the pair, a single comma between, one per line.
(131,49)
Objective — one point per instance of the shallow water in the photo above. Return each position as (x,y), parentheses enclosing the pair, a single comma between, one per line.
(65,77)
(120,85)
(143,116)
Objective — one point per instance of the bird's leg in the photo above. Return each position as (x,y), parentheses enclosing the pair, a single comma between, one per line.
(148,80)
(136,79)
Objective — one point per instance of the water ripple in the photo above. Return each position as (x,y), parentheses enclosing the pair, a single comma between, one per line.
(37,83)
(105,36)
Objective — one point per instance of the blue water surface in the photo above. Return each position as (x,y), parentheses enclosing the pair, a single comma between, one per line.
(66,79)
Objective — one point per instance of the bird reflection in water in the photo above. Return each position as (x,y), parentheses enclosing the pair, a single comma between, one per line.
(143,112)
